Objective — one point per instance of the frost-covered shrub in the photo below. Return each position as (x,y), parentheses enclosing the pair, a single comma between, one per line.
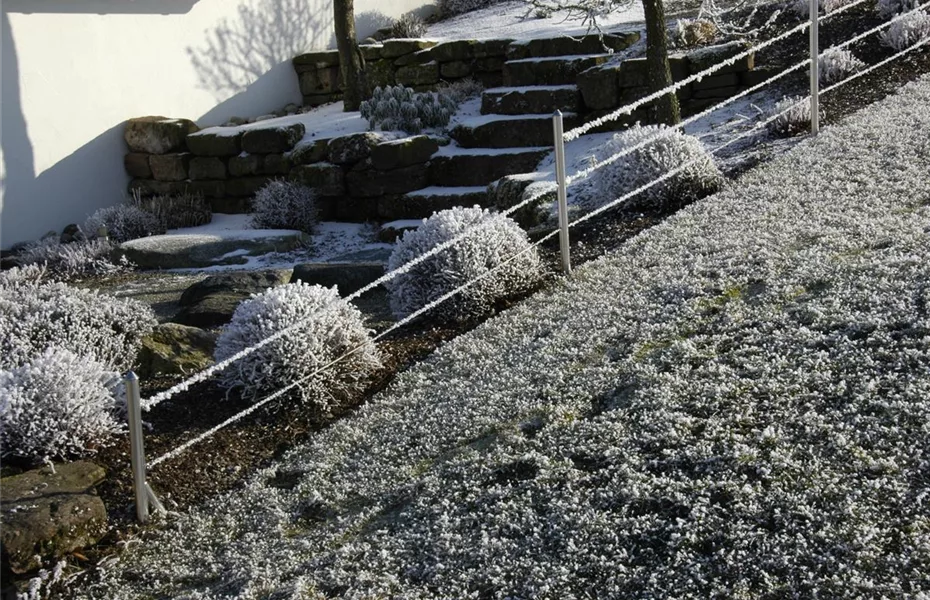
(796,118)
(907,31)
(493,240)
(407,26)
(327,327)
(17,277)
(461,90)
(836,63)
(670,149)
(398,108)
(285,205)
(124,222)
(58,404)
(189,209)
(35,315)
(890,8)
(77,259)
(694,32)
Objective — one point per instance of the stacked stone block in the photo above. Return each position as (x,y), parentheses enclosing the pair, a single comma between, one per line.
(608,87)
(359,177)
(419,64)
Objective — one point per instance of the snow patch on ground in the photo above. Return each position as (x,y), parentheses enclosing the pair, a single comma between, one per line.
(323,122)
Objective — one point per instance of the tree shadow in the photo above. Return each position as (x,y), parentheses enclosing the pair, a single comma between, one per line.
(263,37)
(368,22)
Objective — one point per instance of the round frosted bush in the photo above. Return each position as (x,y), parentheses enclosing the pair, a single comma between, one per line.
(493,239)
(907,31)
(124,222)
(58,404)
(836,64)
(285,205)
(326,328)
(35,315)
(887,9)
(669,150)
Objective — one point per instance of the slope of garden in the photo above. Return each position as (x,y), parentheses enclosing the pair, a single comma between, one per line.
(734,404)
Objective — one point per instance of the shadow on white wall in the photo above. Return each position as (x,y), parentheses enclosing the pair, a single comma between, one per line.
(263,35)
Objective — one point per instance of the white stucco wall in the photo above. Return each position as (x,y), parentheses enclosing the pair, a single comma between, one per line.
(74,70)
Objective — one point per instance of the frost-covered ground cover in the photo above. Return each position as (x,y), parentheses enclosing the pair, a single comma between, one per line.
(735,404)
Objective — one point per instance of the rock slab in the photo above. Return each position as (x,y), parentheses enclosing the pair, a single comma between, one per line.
(48,515)
(175,349)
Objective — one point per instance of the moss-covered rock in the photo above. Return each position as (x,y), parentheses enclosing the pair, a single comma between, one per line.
(157,135)
(170,167)
(48,515)
(215,144)
(326,178)
(272,140)
(403,153)
(175,349)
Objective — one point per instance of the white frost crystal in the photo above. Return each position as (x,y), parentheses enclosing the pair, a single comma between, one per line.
(328,328)
(496,251)
(669,150)
(285,205)
(57,405)
(35,315)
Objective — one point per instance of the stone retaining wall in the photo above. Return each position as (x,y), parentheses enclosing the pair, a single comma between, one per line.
(359,177)
(423,64)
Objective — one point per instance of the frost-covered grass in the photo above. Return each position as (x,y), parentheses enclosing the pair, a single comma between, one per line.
(735,405)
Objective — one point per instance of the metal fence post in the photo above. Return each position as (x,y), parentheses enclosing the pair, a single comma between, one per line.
(815,66)
(559,140)
(136,447)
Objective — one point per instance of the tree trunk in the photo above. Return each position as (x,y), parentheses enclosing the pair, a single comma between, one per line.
(351,63)
(660,74)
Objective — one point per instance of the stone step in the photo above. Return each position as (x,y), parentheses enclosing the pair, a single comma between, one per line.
(423,203)
(543,99)
(505,131)
(594,43)
(453,166)
(562,70)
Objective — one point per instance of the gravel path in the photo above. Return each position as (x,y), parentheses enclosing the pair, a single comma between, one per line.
(735,404)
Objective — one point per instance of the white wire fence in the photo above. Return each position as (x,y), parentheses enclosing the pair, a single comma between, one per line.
(144,496)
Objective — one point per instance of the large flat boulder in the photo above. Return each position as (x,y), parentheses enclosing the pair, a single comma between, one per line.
(198,250)
(47,515)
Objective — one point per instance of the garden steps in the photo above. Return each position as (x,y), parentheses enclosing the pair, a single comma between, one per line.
(561,70)
(540,99)
(422,203)
(455,166)
(509,131)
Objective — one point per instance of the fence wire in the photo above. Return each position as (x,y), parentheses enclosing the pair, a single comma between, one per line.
(203,375)
(629,108)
